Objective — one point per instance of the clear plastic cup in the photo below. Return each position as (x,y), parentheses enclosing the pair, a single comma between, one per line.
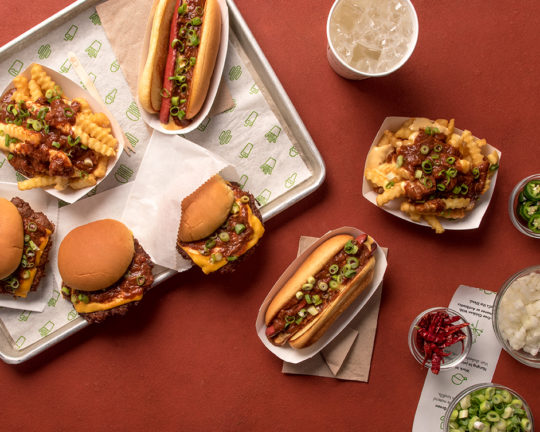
(364,33)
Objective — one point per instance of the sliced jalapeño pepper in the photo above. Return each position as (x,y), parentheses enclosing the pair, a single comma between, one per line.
(532,190)
(534,223)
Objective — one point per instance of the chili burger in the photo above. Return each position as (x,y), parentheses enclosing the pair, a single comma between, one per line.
(104,269)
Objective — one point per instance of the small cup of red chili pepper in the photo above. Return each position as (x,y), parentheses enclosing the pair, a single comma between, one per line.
(440,338)
(524,206)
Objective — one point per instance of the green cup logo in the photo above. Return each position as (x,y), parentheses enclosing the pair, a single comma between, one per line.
(16,68)
(46,329)
(133,112)
(66,66)
(293,152)
(243,180)
(235,72)
(231,109)
(24,315)
(111,96)
(70,34)
(202,127)
(115,66)
(246,151)
(93,49)
(476,332)
(250,120)
(54,298)
(19,177)
(92,192)
(133,140)
(268,166)
(263,197)
(44,51)
(92,77)
(20,342)
(123,174)
(225,137)
(273,134)
(291,180)
(254,89)
(2,163)
(95,18)
(458,378)
(72,315)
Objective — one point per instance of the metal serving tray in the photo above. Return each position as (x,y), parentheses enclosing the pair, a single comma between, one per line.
(272,89)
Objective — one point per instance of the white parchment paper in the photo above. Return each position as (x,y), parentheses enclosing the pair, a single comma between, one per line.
(478,367)
(153,209)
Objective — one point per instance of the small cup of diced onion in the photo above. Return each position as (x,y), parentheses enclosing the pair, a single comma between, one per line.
(516,316)
(488,408)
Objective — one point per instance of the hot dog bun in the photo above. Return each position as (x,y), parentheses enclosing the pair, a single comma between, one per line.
(210,37)
(314,263)
(151,78)
(158,66)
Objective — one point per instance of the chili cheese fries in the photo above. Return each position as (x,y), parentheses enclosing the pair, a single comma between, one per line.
(434,170)
(52,140)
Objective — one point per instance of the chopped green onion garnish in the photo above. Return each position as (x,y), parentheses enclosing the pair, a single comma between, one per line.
(55,144)
(141,280)
(239,228)
(66,290)
(451,160)
(224,237)
(334,268)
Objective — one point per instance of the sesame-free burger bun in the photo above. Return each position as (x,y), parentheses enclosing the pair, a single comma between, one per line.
(205,210)
(94,256)
(11,238)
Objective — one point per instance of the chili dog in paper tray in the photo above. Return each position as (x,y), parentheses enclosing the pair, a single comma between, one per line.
(246,143)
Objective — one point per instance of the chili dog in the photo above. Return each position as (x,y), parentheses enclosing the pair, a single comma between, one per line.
(184,42)
(326,283)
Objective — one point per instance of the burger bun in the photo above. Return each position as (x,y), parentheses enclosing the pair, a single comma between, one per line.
(11,238)
(205,210)
(94,256)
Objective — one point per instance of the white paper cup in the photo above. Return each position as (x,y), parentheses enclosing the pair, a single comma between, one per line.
(346,71)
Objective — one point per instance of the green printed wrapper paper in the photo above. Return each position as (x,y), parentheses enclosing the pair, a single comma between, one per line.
(37,300)
(249,137)
(478,367)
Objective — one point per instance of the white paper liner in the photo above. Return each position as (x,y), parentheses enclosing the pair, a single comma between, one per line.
(71,91)
(292,355)
(153,119)
(35,301)
(153,209)
(472,218)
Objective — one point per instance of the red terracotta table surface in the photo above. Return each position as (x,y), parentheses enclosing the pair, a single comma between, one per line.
(476,61)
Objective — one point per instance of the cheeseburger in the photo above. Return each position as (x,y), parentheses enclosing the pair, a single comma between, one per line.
(104,269)
(25,241)
(219,227)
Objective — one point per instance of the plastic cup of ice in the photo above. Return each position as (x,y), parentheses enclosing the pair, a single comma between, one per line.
(370,38)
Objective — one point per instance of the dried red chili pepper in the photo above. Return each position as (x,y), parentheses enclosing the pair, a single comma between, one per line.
(435,332)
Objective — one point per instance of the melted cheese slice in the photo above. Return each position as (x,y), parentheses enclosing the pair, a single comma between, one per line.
(204,262)
(82,307)
(26,284)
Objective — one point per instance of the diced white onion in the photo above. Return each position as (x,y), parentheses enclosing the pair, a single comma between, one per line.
(519,314)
